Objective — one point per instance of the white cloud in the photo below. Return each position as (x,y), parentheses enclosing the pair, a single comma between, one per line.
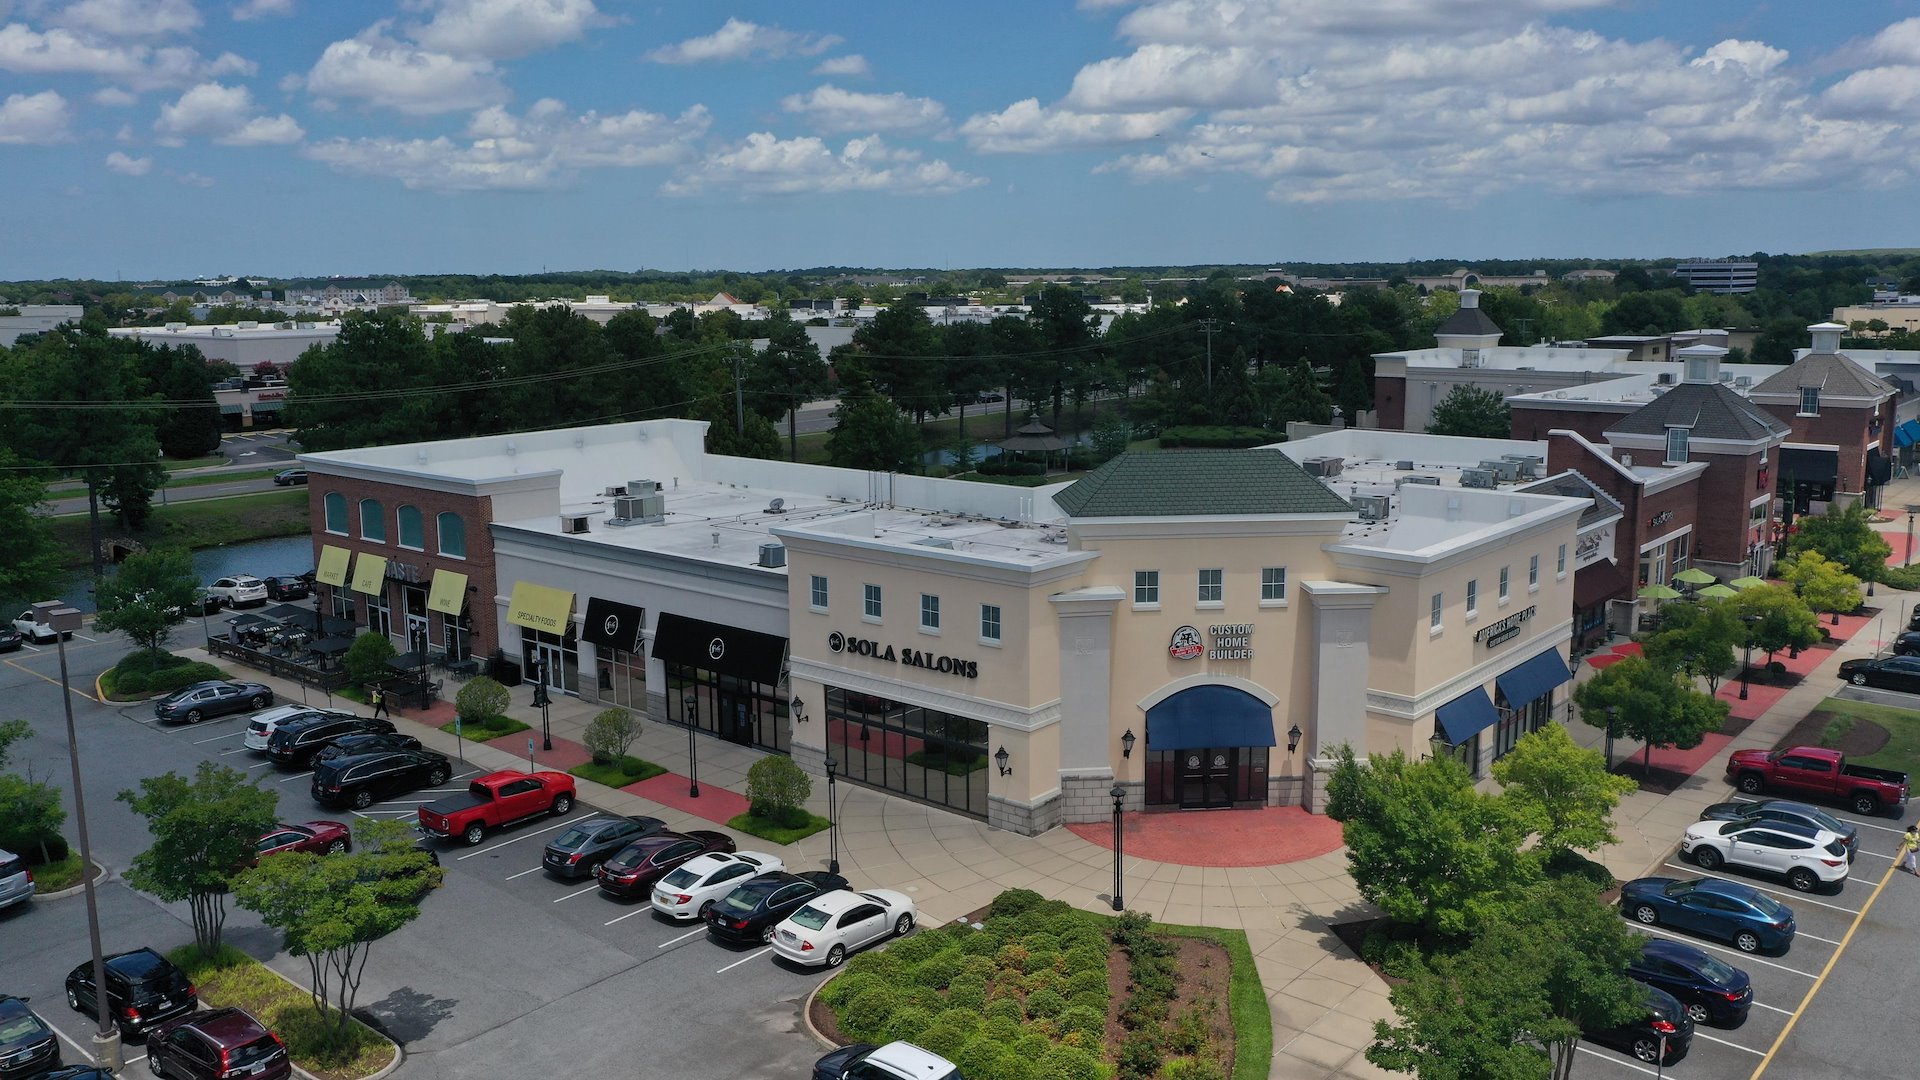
(250,10)
(130,18)
(740,40)
(1883,92)
(1156,76)
(832,109)
(394,75)
(1897,44)
(192,179)
(224,114)
(34,118)
(545,148)
(850,65)
(129,166)
(1027,127)
(764,164)
(114,97)
(25,51)
(506,28)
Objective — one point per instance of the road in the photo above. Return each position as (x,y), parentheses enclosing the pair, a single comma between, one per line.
(248,452)
(503,968)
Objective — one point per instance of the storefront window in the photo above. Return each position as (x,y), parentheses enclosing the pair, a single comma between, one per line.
(551,658)
(732,708)
(623,678)
(1207,777)
(924,754)
(379,615)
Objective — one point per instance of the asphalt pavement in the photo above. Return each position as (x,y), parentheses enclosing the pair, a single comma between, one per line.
(246,452)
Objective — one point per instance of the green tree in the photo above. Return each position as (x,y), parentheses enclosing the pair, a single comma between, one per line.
(366,660)
(480,700)
(148,596)
(1776,619)
(1844,535)
(1562,790)
(1471,411)
(610,733)
(1638,699)
(30,814)
(204,832)
(1821,583)
(785,375)
(32,566)
(1697,638)
(180,376)
(12,731)
(1354,392)
(870,432)
(1070,364)
(1512,1005)
(777,788)
(1423,845)
(331,910)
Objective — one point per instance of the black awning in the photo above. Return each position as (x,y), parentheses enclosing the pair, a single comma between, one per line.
(1879,468)
(1808,466)
(726,650)
(613,625)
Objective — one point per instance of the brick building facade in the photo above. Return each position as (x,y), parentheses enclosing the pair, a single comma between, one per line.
(1826,399)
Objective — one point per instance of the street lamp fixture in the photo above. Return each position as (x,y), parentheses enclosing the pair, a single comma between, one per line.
(1000,758)
(1439,744)
(1746,663)
(1613,720)
(1293,739)
(1119,854)
(692,702)
(833,830)
(1911,511)
(1126,744)
(798,708)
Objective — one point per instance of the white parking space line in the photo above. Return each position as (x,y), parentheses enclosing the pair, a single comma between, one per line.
(1698,1034)
(1815,937)
(299,776)
(134,1060)
(1796,897)
(262,765)
(217,738)
(408,802)
(641,910)
(36,648)
(1772,1008)
(65,1038)
(750,956)
(84,637)
(591,888)
(681,938)
(522,836)
(524,873)
(1615,1058)
(1745,958)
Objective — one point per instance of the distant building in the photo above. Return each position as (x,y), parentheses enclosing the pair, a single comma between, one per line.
(245,345)
(1726,276)
(35,319)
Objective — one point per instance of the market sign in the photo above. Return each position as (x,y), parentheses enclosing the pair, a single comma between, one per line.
(1505,630)
(945,665)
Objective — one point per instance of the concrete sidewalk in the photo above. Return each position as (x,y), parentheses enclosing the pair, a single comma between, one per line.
(1324,1000)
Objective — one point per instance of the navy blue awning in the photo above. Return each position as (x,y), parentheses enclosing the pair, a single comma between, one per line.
(1207,716)
(1464,717)
(1906,433)
(1524,682)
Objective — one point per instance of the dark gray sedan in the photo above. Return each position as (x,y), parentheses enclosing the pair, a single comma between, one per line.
(576,852)
(202,701)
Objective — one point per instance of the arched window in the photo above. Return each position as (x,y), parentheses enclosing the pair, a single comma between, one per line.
(453,535)
(336,504)
(412,532)
(373,521)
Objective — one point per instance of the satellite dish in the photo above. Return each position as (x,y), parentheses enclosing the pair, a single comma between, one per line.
(777,506)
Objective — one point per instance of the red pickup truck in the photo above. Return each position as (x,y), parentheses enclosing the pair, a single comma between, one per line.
(1811,770)
(497,799)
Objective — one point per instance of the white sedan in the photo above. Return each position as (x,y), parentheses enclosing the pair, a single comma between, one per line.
(38,633)
(694,885)
(239,590)
(1807,857)
(833,925)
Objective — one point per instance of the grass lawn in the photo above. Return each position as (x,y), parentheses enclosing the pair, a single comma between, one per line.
(777,832)
(495,728)
(231,977)
(628,770)
(198,524)
(1902,751)
(57,875)
(197,463)
(219,478)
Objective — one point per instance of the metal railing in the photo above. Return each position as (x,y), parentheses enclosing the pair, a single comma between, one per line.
(301,668)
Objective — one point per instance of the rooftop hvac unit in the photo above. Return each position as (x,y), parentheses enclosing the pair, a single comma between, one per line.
(1479,478)
(1742,381)
(613,492)
(1404,466)
(1665,378)
(1324,467)
(1469,358)
(773,555)
(1505,470)
(1426,481)
(626,508)
(573,523)
(1372,507)
(641,487)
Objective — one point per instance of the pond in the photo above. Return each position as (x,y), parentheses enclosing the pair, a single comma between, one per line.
(261,558)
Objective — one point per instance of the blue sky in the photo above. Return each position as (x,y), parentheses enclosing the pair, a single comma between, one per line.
(170,138)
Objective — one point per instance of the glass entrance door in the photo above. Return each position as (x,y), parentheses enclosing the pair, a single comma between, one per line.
(1206,778)
(735,715)
(416,600)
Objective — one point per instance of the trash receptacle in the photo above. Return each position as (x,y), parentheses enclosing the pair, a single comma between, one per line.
(506,672)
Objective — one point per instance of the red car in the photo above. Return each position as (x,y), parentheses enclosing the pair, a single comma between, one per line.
(220,1044)
(633,870)
(318,837)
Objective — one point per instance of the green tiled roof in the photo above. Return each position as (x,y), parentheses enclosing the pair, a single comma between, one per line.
(1187,483)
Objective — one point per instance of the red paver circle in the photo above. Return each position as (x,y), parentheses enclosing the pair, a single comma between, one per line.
(1263,836)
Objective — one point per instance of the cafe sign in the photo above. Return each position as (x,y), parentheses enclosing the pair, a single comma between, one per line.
(1505,630)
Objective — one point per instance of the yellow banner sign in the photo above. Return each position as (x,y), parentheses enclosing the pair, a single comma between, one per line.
(370,574)
(333,566)
(538,607)
(449,592)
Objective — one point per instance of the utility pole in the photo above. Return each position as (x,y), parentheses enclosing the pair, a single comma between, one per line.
(1210,327)
(739,382)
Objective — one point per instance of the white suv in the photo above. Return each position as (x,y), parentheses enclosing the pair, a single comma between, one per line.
(16,881)
(1805,856)
(240,590)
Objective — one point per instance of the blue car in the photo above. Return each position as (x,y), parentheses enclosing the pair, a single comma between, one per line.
(1728,910)
(1711,990)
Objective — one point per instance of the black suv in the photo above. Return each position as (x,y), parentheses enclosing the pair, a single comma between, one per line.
(143,988)
(372,743)
(296,741)
(359,780)
(27,1045)
(288,587)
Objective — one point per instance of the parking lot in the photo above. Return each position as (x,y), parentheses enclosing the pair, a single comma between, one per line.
(507,972)
(1854,995)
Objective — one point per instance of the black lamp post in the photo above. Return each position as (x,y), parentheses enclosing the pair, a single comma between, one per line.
(1293,739)
(1746,663)
(1000,758)
(541,699)
(1911,510)
(1119,853)
(833,831)
(1126,744)
(692,702)
(1613,718)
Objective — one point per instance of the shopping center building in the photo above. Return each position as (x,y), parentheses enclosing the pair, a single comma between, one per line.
(1201,628)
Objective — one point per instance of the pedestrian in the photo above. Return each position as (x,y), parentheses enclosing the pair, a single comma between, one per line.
(1909,848)
(380,702)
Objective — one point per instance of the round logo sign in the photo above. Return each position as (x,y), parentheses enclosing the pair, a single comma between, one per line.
(1186,644)
(716,649)
(611,628)
(1219,760)
(837,641)
(1193,761)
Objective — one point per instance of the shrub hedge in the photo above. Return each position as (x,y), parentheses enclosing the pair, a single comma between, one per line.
(1231,438)
(143,673)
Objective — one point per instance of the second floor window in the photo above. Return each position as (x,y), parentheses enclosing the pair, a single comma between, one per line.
(1211,590)
(1676,446)
(1273,583)
(1146,586)
(929,611)
(373,521)
(413,532)
(989,622)
(872,602)
(817,592)
(336,505)
(1433,615)
(1809,401)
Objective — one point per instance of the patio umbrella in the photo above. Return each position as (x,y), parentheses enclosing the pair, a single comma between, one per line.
(241,622)
(332,646)
(1693,575)
(1659,592)
(339,627)
(407,661)
(1719,591)
(1747,582)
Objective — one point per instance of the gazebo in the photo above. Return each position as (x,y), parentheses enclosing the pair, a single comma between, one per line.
(1034,436)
